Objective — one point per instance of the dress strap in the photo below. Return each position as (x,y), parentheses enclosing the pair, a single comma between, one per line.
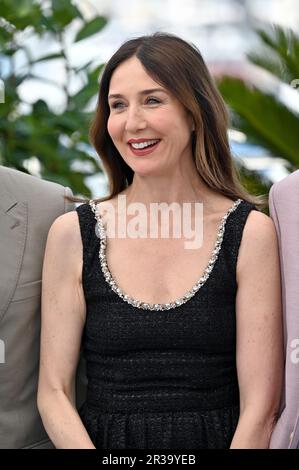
(90,240)
(233,235)
(86,221)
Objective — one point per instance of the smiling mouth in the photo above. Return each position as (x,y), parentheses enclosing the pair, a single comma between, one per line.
(146,150)
(141,142)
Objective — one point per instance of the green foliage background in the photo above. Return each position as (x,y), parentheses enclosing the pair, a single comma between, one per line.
(57,140)
(262,116)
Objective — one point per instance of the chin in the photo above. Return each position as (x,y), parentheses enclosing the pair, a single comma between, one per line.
(146,169)
(143,172)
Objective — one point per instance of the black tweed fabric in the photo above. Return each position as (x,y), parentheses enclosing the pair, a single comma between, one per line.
(161,379)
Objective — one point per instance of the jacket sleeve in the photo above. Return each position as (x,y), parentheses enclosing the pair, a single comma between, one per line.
(68,205)
(286,431)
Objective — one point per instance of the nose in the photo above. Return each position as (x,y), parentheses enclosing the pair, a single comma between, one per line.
(134,119)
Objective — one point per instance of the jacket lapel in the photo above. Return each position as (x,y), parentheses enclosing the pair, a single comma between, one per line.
(13,231)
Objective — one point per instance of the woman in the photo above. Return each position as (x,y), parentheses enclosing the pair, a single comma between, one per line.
(168,365)
(284,203)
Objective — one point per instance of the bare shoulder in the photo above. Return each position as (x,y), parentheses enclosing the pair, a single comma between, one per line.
(259,228)
(259,242)
(66,226)
(64,237)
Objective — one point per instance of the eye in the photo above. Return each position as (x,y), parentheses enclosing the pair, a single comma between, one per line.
(153,99)
(115,105)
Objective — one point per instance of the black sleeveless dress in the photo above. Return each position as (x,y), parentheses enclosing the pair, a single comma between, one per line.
(162,379)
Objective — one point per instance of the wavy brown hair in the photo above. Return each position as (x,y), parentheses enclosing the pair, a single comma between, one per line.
(180,68)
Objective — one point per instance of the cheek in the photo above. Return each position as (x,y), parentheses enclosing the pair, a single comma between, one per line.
(112,127)
(180,128)
(167,121)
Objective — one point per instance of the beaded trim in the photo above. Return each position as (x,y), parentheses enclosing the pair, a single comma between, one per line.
(145,305)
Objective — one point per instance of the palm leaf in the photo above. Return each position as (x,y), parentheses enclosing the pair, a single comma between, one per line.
(263,118)
(279,53)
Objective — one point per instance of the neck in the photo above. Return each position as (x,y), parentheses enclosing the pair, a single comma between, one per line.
(168,188)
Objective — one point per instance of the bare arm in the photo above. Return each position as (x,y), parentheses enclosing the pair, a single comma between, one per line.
(63,318)
(259,333)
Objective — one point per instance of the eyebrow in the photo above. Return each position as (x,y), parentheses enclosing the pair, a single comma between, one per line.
(143,92)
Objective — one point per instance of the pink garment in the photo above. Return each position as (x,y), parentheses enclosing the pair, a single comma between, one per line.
(284,210)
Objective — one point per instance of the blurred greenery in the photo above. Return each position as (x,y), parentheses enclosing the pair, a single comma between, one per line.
(252,181)
(59,140)
(260,115)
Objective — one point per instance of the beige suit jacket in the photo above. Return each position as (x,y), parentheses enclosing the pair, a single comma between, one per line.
(28,206)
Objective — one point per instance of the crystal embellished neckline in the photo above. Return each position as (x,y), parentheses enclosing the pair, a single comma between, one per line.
(173,304)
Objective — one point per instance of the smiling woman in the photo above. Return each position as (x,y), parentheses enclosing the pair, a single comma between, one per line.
(183,347)
(178,104)
(153,118)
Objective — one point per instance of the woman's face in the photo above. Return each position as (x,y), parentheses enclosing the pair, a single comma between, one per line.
(149,116)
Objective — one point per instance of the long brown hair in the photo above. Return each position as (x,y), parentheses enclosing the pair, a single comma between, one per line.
(180,68)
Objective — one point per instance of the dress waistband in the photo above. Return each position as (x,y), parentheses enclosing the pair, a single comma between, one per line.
(161,400)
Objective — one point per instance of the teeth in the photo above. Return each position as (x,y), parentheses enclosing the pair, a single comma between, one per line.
(142,145)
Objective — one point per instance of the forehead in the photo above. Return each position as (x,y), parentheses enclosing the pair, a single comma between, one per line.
(129,75)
